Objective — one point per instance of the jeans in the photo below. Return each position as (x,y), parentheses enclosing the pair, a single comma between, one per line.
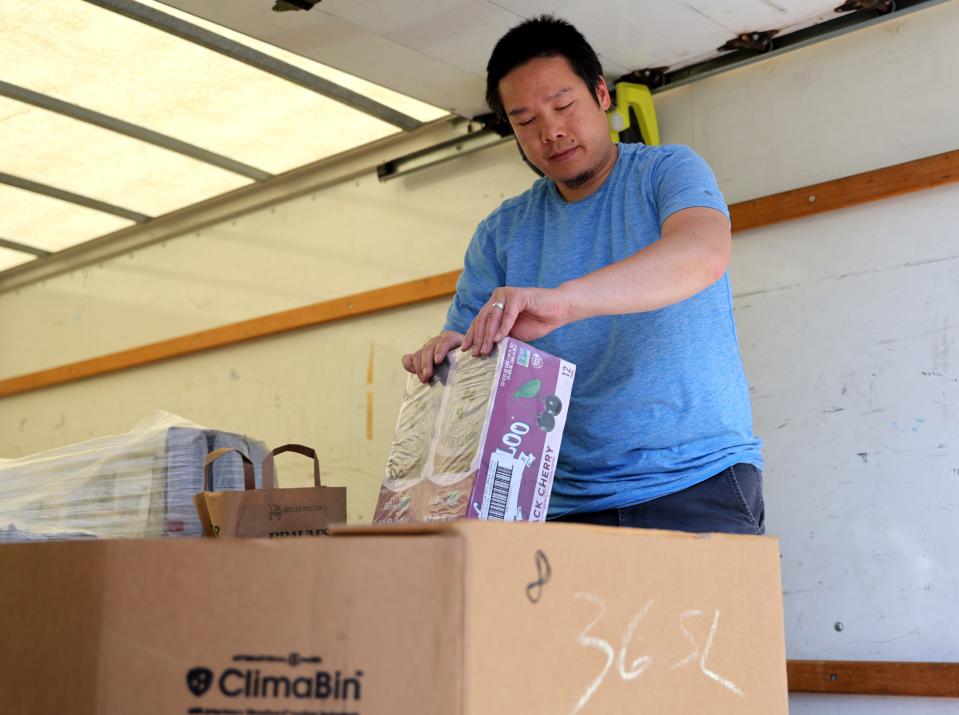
(730,502)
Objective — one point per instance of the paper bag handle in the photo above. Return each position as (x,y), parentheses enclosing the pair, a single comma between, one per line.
(269,470)
(249,476)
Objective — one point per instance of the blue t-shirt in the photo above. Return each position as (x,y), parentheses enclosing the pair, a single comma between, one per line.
(660,400)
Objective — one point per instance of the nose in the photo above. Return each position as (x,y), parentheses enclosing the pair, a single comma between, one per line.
(552,129)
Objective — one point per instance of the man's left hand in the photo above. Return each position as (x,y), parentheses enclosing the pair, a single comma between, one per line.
(524,313)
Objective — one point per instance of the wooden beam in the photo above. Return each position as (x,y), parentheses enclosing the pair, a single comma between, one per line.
(841,193)
(874,678)
(423,289)
(818,198)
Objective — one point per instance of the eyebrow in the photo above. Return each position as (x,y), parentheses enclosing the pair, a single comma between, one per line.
(550,98)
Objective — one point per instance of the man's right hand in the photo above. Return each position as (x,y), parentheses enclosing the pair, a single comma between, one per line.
(433,352)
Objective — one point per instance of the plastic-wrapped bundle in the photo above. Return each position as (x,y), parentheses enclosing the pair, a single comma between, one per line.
(461,423)
(137,484)
(433,460)
(480,440)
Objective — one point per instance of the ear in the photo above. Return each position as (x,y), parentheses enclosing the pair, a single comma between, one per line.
(602,94)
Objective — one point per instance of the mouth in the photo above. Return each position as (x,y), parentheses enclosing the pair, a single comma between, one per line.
(563,155)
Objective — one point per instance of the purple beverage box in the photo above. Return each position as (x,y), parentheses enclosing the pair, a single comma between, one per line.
(522,434)
(480,441)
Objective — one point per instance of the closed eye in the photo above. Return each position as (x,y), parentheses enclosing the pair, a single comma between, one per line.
(527,122)
(565,106)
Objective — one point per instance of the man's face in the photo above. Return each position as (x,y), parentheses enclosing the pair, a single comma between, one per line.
(558,124)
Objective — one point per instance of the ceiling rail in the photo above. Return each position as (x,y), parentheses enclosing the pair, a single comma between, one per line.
(70,197)
(23,248)
(260,60)
(104,121)
(841,25)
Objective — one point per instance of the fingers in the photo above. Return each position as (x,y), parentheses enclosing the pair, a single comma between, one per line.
(424,360)
(420,363)
(479,337)
(479,329)
(510,314)
(413,362)
(468,340)
(434,351)
(493,319)
(447,341)
(474,335)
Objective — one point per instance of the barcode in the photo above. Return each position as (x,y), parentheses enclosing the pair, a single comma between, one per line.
(499,497)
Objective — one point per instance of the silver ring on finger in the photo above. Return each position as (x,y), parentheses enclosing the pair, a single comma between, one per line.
(499,305)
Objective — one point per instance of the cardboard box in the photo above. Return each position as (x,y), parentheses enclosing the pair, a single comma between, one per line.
(470,618)
(480,441)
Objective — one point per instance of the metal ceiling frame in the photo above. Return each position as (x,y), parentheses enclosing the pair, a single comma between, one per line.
(44,101)
(841,25)
(261,61)
(69,196)
(468,143)
(23,248)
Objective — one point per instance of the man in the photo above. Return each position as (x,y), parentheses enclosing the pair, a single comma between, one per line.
(615,261)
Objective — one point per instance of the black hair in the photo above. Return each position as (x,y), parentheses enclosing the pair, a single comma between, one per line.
(543,36)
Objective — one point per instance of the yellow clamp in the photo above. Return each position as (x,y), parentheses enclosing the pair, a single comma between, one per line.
(638,98)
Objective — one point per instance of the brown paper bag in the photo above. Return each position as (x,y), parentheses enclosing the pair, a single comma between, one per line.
(270,511)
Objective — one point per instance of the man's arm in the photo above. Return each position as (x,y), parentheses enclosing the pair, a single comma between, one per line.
(691,255)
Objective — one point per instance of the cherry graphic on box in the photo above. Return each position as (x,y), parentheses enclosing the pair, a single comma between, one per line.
(552,405)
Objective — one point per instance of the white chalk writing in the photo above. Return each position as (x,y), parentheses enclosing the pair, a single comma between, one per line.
(638,665)
(703,654)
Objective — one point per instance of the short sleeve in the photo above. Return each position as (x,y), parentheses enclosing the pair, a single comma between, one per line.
(482,274)
(682,180)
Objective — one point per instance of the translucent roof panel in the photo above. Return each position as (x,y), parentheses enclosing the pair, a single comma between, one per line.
(420,111)
(120,67)
(51,224)
(84,159)
(11,259)
(155,82)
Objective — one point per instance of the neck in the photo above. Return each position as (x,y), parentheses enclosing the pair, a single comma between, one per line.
(594,182)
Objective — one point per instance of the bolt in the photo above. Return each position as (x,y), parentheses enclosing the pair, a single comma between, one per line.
(839,626)
(812,199)
(833,676)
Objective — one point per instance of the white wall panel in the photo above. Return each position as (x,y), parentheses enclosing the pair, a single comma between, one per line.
(849,345)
